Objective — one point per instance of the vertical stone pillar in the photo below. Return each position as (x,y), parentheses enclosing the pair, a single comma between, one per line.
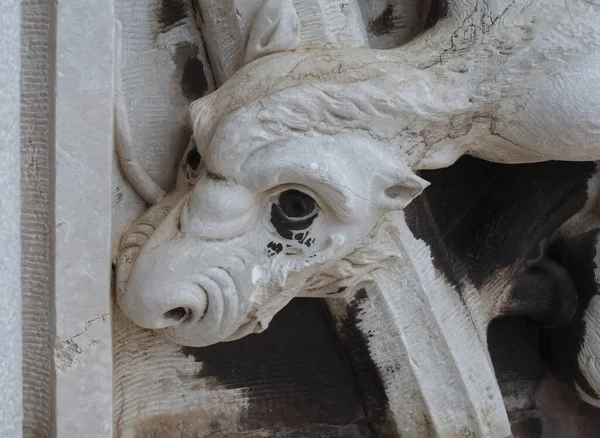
(11,411)
(83,158)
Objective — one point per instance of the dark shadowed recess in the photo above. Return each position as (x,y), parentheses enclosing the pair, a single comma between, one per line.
(171,11)
(296,377)
(478,217)
(383,23)
(190,69)
(561,347)
(438,9)
(513,346)
(193,80)
(538,405)
(190,72)
(389,19)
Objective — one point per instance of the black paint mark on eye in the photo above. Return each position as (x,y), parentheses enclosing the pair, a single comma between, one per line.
(171,12)
(295,204)
(309,242)
(286,226)
(274,248)
(193,158)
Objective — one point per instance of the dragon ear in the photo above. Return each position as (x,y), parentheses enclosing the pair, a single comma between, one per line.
(275,28)
(407,186)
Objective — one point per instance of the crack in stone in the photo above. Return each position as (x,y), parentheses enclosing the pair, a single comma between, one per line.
(87,326)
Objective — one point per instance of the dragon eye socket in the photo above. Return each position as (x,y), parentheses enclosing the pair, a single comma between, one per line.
(193,158)
(295,204)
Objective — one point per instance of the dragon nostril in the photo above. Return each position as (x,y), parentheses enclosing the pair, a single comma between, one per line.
(179,314)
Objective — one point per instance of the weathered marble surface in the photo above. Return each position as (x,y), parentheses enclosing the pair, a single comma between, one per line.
(11,411)
(82,214)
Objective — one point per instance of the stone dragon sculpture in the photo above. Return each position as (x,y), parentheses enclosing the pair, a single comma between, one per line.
(300,162)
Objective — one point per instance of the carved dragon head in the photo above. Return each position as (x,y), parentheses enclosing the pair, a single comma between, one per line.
(278,197)
(296,160)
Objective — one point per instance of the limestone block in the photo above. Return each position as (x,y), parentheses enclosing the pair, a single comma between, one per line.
(82,201)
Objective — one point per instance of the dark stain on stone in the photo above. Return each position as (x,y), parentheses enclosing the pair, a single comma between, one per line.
(193,81)
(171,12)
(294,375)
(340,290)
(356,347)
(421,221)
(438,10)
(384,23)
(513,347)
(215,177)
(479,217)
(190,72)
(527,428)
(117,195)
(561,347)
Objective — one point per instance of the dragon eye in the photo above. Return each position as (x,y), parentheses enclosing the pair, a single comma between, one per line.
(295,204)
(193,158)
